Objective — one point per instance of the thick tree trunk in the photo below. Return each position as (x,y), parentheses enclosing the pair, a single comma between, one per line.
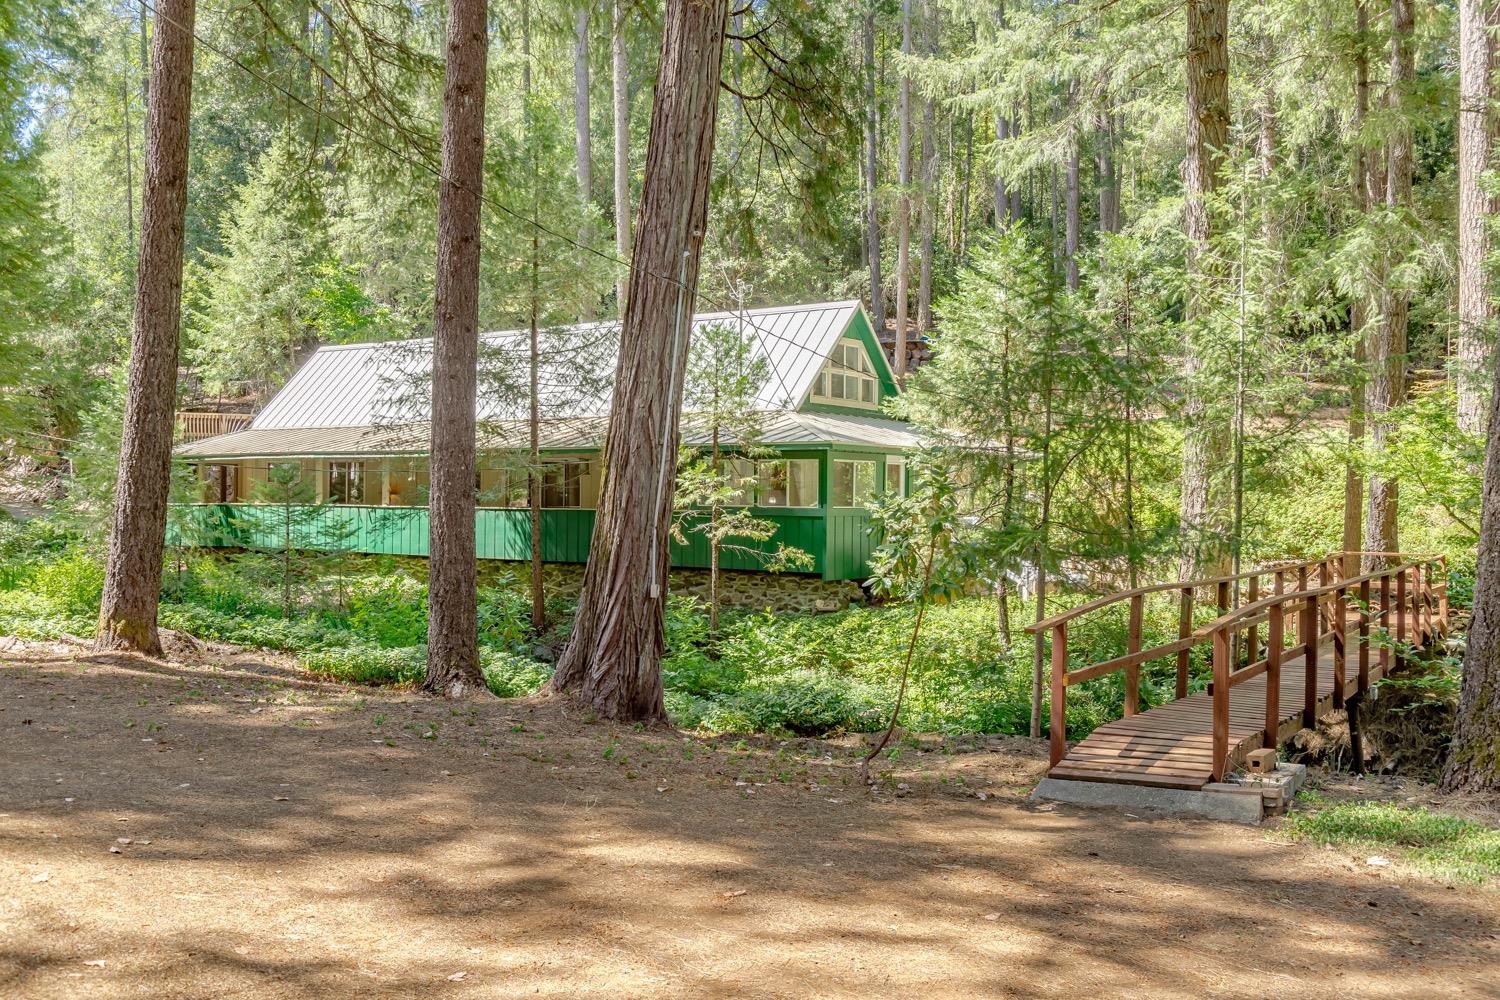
(583,140)
(534,459)
(1072,211)
(621,98)
(613,661)
(1206,434)
(929,165)
(1104,164)
(872,176)
(903,202)
(132,576)
(1386,350)
(1474,761)
(1476,140)
(1003,214)
(1359,314)
(452,626)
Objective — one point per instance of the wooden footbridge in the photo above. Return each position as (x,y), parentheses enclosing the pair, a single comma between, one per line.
(1328,637)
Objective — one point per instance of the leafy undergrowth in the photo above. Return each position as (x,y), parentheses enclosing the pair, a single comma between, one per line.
(364,620)
(1438,844)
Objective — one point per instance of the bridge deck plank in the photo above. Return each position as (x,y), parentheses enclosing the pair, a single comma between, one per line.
(1171,745)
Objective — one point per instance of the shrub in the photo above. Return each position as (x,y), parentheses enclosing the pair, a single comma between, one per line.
(802,702)
(511,676)
(369,664)
(269,631)
(69,585)
(504,617)
(389,611)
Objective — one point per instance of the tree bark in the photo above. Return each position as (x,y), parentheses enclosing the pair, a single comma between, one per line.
(903,201)
(132,576)
(1206,437)
(613,661)
(872,175)
(1104,164)
(452,625)
(1474,761)
(1477,133)
(621,98)
(1354,484)
(583,140)
(1072,210)
(1386,388)
(925,217)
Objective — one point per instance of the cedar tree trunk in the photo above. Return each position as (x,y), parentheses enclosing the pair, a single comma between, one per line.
(903,200)
(621,97)
(1386,351)
(1474,761)
(452,626)
(613,660)
(1205,442)
(1476,140)
(132,576)
(872,174)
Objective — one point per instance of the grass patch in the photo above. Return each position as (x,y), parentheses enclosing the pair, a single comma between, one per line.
(1438,844)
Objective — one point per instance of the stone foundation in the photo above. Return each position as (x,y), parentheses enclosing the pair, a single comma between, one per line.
(783,593)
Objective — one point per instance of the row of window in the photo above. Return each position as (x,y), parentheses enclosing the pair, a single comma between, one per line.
(351,482)
(782,482)
(848,377)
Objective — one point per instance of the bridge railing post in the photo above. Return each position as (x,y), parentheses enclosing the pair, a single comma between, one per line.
(1058,734)
(1275,626)
(1364,637)
(1220,702)
(1401,614)
(1133,646)
(1340,661)
(1385,623)
(1443,594)
(1184,629)
(1252,642)
(1311,626)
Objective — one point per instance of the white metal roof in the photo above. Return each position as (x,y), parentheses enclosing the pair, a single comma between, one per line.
(368,385)
(784,428)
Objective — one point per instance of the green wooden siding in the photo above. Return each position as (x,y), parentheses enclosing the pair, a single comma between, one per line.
(499,534)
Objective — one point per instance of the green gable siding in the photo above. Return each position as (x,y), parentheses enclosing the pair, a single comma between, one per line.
(859,329)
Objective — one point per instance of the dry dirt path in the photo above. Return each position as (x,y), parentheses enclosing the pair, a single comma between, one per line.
(222,827)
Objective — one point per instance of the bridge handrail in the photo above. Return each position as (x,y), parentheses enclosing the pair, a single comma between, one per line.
(1426,601)
(1244,610)
(1158,588)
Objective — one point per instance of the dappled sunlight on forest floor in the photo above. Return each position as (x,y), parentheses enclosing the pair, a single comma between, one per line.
(221,825)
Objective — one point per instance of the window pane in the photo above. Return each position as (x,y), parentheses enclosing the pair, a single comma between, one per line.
(836,383)
(821,387)
(867,390)
(864,482)
(841,485)
(741,475)
(853,483)
(802,482)
(895,476)
(770,488)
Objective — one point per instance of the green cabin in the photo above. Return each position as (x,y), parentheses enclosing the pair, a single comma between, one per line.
(350,424)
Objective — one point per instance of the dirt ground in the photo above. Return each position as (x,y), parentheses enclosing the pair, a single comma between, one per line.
(217,825)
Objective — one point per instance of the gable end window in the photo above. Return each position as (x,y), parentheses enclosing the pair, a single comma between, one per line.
(848,378)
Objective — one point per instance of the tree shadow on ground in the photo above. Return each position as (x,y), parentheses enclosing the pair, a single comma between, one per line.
(292,837)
